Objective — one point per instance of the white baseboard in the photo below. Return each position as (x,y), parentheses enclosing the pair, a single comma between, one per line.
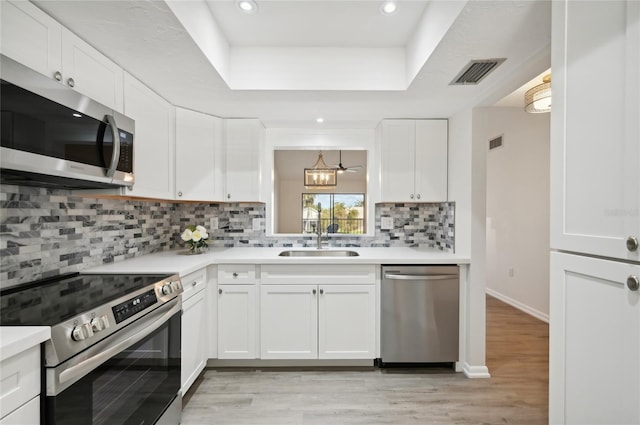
(520,306)
(475,371)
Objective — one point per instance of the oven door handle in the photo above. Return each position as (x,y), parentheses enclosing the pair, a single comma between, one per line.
(81,369)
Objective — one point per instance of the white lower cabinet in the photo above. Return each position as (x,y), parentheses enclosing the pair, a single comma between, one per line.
(28,414)
(317,321)
(194,329)
(236,321)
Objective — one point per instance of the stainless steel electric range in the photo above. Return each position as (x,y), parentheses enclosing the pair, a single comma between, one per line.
(114,353)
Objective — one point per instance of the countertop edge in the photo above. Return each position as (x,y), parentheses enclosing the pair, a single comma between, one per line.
(17,339)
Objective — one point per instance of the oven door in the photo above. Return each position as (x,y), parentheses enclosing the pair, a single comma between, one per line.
(132,377)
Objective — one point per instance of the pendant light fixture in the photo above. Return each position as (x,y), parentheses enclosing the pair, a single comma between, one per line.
(538,99)
(320,176)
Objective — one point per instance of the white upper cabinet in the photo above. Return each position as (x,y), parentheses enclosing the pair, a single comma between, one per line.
(413,161)
(198,156)
(90,72)
(244,140)
(31,37)
(595,133)
(154,143)
(34,39)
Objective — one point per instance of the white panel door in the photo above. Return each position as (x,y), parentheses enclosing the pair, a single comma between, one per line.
(154,140)
(237,321)
(31,37)
(243,147)
(431,160)
(28,414)
(196,148)
(594,341)
(194,339)
(90,72)
(595,133)
(397,161)
(288,322)
(346,322)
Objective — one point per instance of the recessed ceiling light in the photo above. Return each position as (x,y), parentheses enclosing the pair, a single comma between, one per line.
(247,6)
(77,115)
(319,120)
(388,7)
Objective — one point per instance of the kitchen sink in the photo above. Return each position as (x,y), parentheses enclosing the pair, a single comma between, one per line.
(319,253)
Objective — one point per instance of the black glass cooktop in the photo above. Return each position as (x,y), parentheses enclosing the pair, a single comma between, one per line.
(49,302)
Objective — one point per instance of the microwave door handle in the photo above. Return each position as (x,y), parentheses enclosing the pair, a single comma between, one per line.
(115,155)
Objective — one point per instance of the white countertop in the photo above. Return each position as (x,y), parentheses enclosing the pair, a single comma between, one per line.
(16,339)
(181,263)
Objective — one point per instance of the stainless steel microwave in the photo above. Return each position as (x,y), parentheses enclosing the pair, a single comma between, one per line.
(53,136)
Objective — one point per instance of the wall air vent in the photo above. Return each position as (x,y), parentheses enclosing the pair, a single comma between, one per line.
(495,143)
(475,71)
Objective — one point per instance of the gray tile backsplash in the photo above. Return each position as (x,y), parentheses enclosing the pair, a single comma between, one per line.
(46,232)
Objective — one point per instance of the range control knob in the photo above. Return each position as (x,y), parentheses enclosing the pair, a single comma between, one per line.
(81,332)
(175,285)
(167,289)
(99,323)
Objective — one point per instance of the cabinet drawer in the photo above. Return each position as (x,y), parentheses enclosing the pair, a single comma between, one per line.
(27,414)
(19,380)
(318,274)
(237,273)
(193,283)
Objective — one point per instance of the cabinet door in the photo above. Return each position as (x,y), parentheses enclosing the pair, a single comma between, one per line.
(594,342)
(90,72)
(397,156)
(29,414)
(347,322)
(431,160)
(236,321)
(31,37)
(288,322)
(197,140)
(154,148)
(595,153)
(243,145)
(194,339)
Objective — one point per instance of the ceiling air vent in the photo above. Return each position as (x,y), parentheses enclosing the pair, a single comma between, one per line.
(475,71)
(495,143)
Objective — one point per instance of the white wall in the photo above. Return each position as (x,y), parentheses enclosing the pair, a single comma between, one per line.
(467,188)
(518,209)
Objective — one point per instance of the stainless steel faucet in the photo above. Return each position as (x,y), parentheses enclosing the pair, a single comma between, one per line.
(319,227)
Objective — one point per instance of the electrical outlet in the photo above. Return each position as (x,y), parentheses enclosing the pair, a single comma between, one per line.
(213,223)
(511,272)
(256,224)
(386,223)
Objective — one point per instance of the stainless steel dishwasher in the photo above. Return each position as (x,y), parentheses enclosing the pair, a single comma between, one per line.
(419,314)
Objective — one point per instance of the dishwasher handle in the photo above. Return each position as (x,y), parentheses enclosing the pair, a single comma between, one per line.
(399,276)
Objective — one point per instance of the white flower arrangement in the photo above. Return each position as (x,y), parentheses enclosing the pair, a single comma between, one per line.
(196,237)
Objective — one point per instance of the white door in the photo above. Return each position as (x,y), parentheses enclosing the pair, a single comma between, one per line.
(594,341)
(194,339)
(346,322)
(90,72)
(288,322)
(31,37)
(243,145)
(196,146)
(236,321)
(431,161)
(595,130)
(154,140)
(397,161)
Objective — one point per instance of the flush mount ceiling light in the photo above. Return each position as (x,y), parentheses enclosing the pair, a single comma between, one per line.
(538,99)
(388,7)
(320,176)
(319,120)
(247,6)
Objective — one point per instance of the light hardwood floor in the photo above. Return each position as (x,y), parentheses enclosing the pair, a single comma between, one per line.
(517,392)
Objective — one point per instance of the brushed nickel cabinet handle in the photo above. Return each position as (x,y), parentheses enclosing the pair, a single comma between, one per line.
(71,83)
(58,76)
(632,243)
(633,283)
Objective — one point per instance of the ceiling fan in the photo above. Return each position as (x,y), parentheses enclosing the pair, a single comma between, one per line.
(342,169)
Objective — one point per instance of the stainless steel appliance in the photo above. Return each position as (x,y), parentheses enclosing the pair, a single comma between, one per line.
(114,353)
(54,136)
(419,314)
